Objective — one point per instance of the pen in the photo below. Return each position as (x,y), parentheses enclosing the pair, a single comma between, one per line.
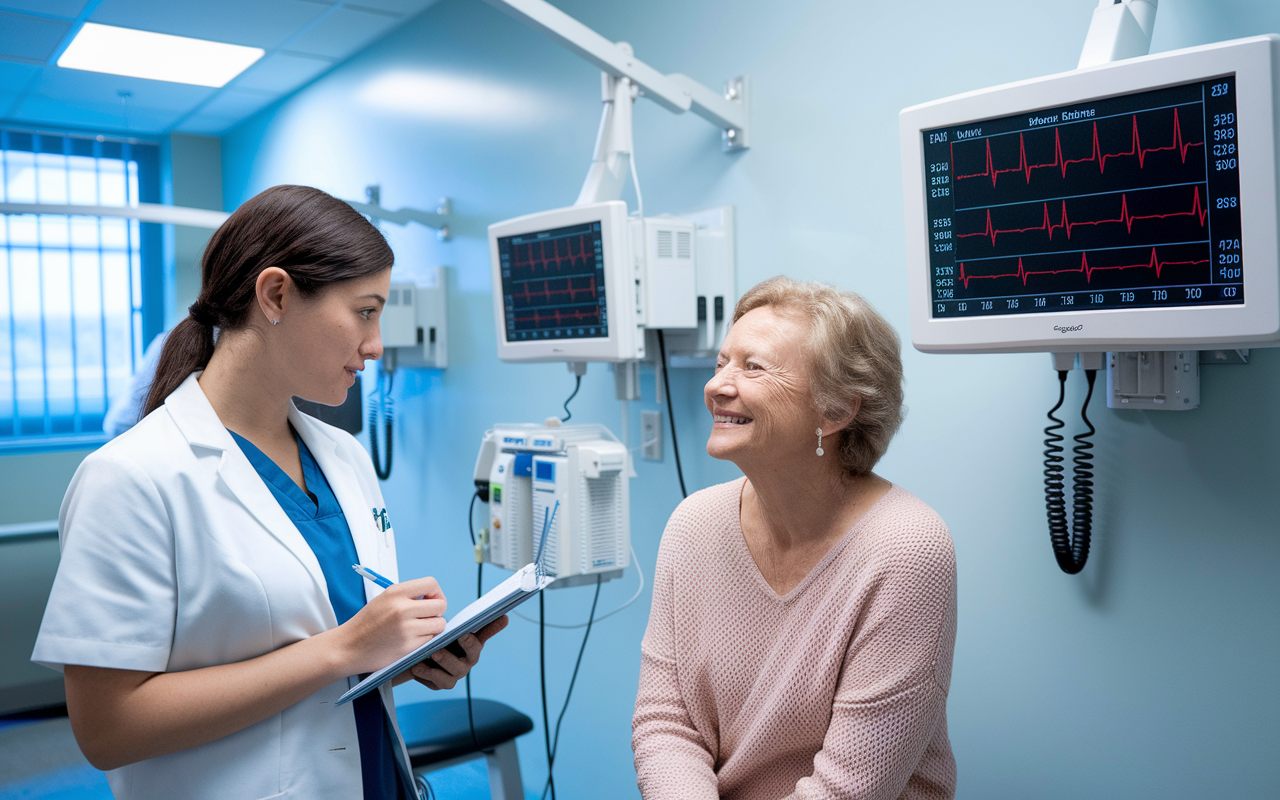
(371,576)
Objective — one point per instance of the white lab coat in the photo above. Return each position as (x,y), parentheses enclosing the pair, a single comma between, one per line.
(176,556)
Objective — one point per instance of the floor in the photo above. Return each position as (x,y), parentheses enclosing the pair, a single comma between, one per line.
(39,760)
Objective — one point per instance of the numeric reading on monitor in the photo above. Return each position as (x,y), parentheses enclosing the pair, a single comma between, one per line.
(553,284)
(1130,201)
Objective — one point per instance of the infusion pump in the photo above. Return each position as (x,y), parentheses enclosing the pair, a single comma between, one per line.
(569,484)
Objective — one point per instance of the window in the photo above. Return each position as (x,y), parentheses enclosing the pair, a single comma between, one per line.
(80,296)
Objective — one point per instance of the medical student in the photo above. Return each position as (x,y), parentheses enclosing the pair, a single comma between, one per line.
(205,613)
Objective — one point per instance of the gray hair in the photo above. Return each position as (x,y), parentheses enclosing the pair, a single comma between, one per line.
(854,362)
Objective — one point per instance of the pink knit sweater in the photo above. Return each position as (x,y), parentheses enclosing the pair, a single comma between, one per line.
(836,690)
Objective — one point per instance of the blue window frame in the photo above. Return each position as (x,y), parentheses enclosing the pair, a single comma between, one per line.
(80,296)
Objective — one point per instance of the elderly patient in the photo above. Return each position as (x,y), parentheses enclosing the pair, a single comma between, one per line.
(804,616)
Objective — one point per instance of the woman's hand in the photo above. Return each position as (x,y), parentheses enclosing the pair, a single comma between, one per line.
(398,621)
(444,669)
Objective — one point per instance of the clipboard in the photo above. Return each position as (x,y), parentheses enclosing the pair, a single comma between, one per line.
(519,587)
(524,584)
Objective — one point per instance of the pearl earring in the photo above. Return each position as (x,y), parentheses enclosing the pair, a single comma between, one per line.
(819,441)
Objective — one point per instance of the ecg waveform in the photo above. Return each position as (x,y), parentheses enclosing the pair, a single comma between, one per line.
(1096,156)
(1126,201)
(1125,217)
(1154,264)
(552,283)
(550,291)
(561,254)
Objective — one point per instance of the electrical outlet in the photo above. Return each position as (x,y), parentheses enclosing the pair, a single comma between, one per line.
(651,435)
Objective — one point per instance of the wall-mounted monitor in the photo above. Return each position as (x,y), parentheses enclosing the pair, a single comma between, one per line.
(564,285)
(1128,206)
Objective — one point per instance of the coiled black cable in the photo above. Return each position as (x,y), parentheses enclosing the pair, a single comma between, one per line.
(389,411)
(1070,549)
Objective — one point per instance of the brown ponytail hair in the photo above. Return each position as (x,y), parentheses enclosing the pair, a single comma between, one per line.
(314,237)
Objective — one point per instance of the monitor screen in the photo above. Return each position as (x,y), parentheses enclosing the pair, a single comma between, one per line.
(1126,202)
(553,284)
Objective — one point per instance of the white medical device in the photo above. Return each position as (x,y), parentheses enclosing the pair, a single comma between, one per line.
(1126,206)
(583,283)
(414,323)
(571,480)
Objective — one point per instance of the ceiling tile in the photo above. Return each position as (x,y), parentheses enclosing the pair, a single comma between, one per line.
(15,77)
(58,8)
(103,116)
(406,7)
(206,125)
(78,86)
(343,32)
(29,37)
(236,104)
(281,72)
(256,23)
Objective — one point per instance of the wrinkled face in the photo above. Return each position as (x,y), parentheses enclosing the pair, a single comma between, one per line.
(330,335)
(760,398)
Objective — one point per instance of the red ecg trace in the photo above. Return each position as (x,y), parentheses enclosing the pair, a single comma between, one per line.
(1084,268)
(561,316)
(527,293)
(1197,210)
(1097,155)
(547,260)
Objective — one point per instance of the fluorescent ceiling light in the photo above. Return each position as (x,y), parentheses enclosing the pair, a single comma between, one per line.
(158,56)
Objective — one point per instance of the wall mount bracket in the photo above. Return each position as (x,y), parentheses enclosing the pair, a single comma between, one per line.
(675,92)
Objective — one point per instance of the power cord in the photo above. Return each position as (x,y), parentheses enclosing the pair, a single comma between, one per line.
(671,417)
(1070,549)
(577,384)
(635,596)
(471,529)
(555,741)
(542,675)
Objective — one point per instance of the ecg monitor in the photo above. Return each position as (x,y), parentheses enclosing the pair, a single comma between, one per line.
(1128,206)
(564,287)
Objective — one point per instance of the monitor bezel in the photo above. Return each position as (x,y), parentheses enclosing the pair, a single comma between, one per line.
(620,344)
(1256,321)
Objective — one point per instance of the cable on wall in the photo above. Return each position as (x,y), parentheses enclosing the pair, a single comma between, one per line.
(671,417)
(383,401)
(1070,542)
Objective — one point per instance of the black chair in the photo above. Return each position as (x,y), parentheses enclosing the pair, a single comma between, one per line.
(438,735)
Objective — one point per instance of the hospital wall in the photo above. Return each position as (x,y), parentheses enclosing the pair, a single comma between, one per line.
(1150,675)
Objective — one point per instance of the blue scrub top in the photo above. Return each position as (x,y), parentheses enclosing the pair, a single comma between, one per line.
(320,520)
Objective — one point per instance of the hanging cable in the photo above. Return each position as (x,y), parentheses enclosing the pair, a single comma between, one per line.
(1082,484)
(542,674)
(577,384)
(555,740)
(387,405)
(471,529)
(634,596)
(1070,549)
(671,417)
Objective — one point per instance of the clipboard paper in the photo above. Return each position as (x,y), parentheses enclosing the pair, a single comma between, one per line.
(519,587)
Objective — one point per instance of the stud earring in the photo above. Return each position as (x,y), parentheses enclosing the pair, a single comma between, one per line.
(819,441)
(275,322)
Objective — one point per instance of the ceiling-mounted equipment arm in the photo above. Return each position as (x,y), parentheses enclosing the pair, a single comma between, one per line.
(1119,29)
(612,159)
(677,93)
